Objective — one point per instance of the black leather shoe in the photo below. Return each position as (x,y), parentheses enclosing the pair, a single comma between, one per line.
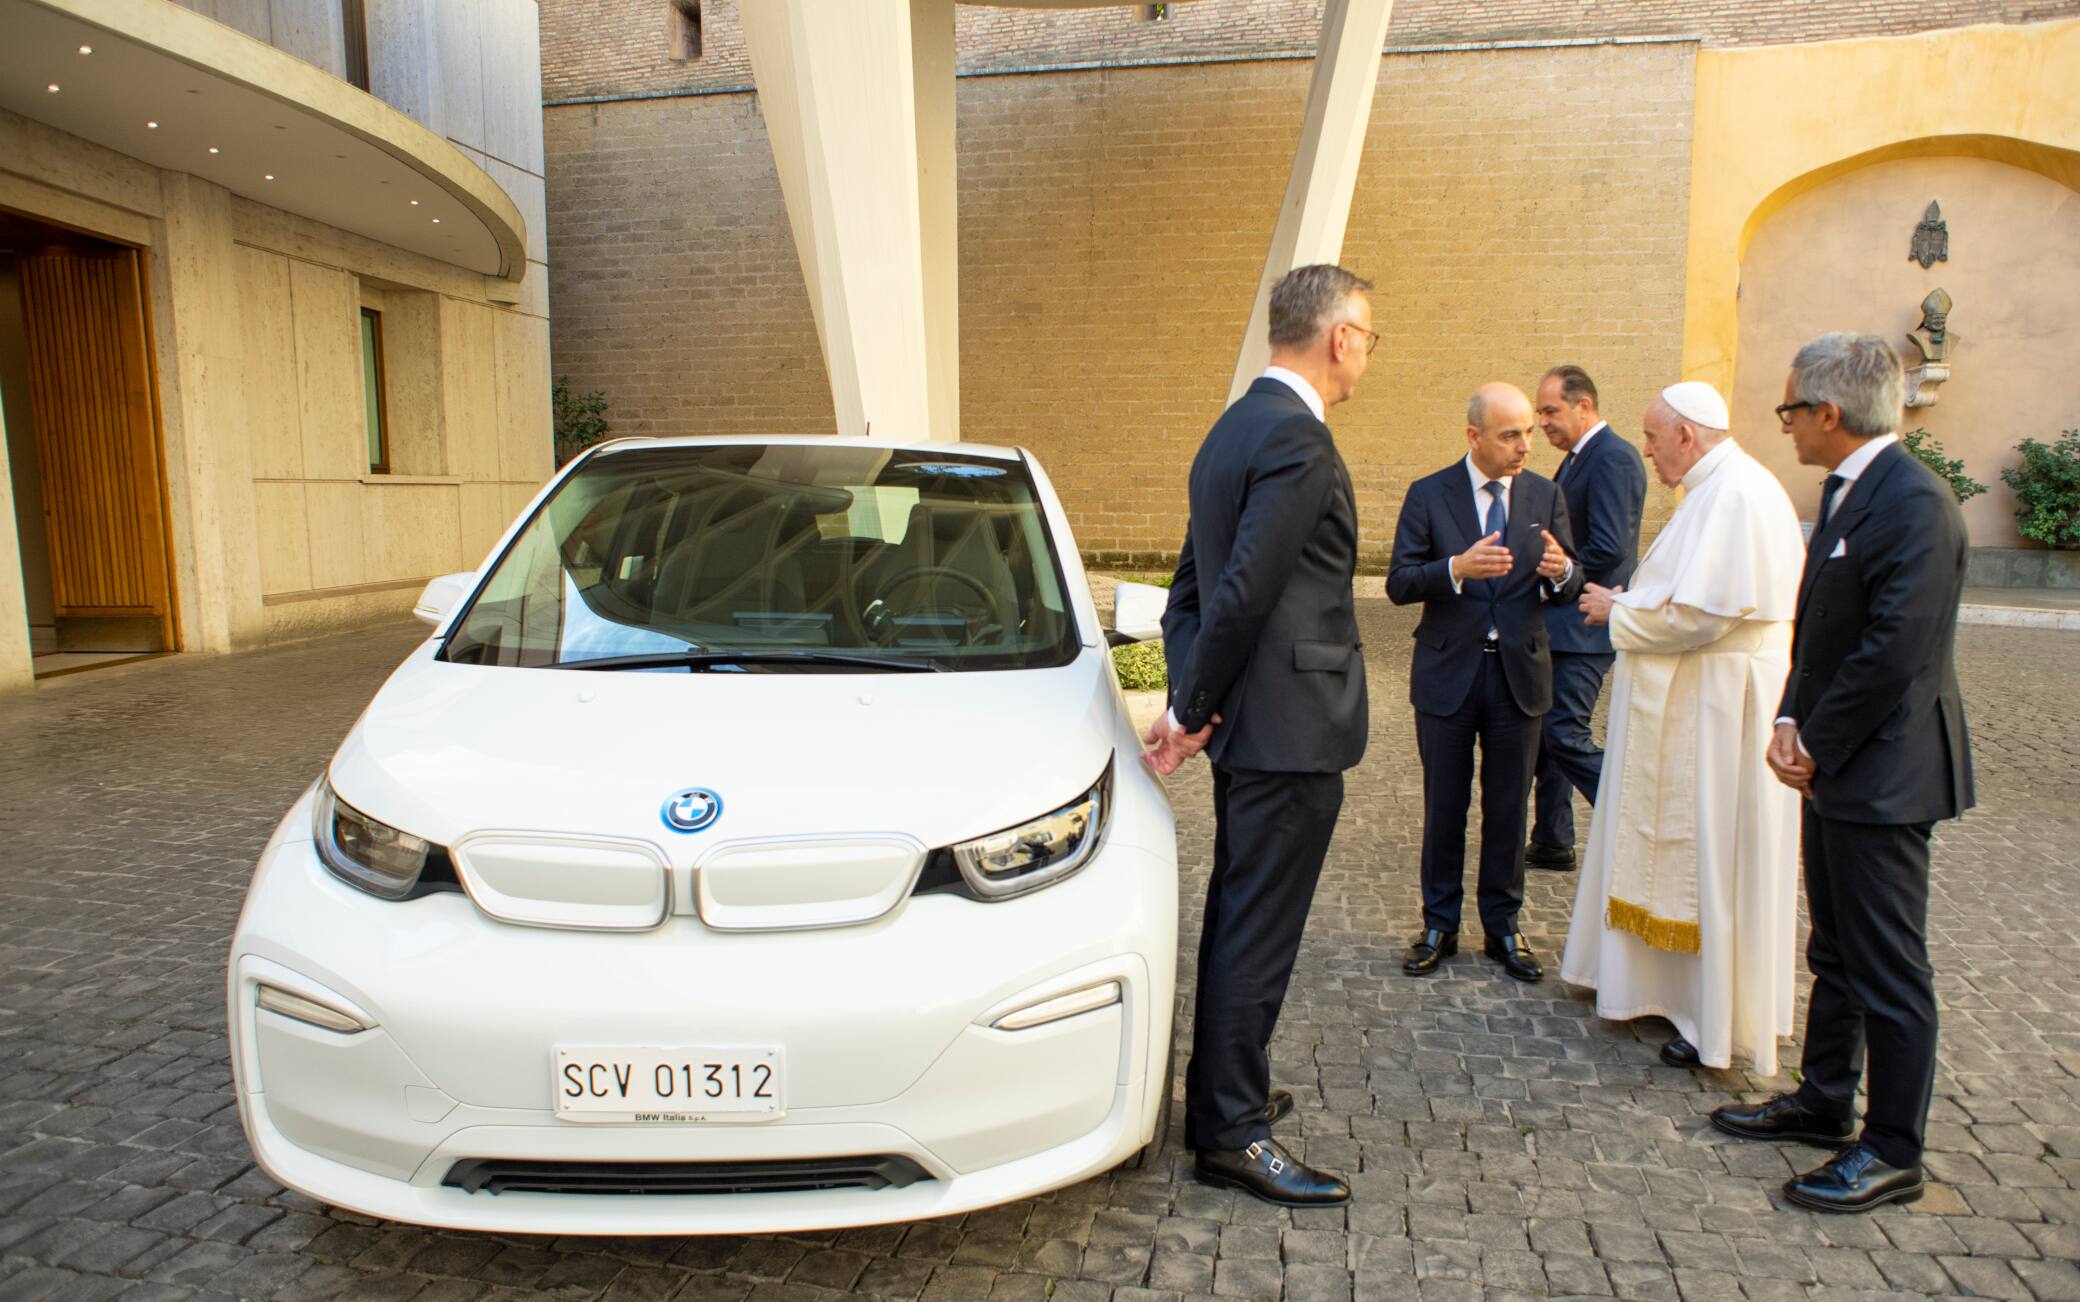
(1855,1180)
(1281,1102)
(1426,951)
(1679,1052)
(1783,1117)
(1271,1173)
(1554,858)
(1514,953)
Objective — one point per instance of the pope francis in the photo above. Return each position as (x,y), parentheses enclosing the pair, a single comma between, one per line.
(1687,907)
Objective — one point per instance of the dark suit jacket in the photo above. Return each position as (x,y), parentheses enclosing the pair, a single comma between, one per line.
(1437,523)
(1261,628)
(1606,489)
(1873,682)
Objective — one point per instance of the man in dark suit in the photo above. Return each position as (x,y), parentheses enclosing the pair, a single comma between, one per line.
(1605,484)
(1483,545)
(1872,732)
(1261,637)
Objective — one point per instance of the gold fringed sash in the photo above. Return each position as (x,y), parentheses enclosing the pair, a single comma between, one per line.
(1670,934)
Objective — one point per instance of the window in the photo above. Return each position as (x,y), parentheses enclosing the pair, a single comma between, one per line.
(372,392)
(683,26)
(353,22)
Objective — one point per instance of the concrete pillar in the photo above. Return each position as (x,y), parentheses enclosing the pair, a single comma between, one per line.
(1325,166)
(215,537)
(858,101)
(16,672)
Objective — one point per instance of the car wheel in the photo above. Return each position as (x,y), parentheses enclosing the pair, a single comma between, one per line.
(1153,1150)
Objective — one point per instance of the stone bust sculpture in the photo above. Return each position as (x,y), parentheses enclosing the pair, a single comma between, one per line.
(1932,337)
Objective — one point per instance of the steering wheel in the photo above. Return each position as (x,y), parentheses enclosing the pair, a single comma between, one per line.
(881,620)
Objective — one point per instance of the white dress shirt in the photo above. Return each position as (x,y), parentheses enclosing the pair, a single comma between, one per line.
(1298,384)
(1583,441)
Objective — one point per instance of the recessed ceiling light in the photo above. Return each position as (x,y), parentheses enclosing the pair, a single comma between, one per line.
(86,49)
(152,125)
(214,150)
(270,176)
(52,88)
(436,221)
(415,203)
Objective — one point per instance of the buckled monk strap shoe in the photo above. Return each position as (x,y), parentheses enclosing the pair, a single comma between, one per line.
(1271,1173)
(1514,953)
(1679,1052)
(1854,1180)
(1429,949)
(1783,1117)
(1553,858)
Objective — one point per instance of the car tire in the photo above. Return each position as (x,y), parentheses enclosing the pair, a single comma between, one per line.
(1151,1152)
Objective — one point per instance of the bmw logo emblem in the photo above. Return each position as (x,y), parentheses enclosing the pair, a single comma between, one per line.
(693,809)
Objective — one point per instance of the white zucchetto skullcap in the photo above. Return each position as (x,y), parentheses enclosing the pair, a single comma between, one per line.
(1699,403)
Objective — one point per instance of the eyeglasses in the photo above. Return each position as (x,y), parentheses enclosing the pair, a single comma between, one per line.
(1785,409)
(1371,336)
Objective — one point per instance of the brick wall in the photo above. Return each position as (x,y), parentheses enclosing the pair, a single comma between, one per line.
(605,48)
(1113,225)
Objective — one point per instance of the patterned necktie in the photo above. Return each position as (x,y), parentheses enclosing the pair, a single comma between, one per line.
(1498,519)
(1827,488)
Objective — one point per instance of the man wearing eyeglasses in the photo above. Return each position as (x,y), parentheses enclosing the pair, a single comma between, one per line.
(1483,545)
(1261,637)
(1871,732)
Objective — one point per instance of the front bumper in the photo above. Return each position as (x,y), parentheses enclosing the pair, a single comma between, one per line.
(885,1027)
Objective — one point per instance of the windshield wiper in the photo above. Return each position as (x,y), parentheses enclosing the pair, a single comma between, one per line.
(702,661)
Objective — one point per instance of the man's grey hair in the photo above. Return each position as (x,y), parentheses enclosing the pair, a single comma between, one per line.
(1859,374)
(1309,300)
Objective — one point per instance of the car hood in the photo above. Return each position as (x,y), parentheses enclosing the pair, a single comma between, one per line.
(445,750)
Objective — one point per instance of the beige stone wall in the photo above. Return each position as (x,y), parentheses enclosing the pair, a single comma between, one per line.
(1835,259)
(1112,228)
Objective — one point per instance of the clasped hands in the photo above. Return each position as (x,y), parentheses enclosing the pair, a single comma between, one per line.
(1170,745)
(1489,559)
(1793,767)
(1596,602)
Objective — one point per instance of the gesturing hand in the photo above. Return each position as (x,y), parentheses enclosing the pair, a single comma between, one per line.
(1486,559)
(1170,745)
(1792,766)
(1553,563)
(1596,602)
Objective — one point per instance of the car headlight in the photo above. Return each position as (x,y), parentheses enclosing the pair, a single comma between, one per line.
(366,853)
(1039,852)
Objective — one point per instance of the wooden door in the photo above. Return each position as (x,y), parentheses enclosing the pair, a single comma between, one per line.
(90,389)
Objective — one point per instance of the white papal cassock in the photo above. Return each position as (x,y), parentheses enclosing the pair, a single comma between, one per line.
(1687,906)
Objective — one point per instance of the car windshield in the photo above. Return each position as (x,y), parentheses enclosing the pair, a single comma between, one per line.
(759,558)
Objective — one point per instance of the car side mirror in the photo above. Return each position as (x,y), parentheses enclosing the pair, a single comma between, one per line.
(441,597)
(1137,612)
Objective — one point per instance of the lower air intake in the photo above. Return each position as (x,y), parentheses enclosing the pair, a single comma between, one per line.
(511,1175)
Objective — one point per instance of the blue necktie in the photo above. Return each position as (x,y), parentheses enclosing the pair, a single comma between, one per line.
(1498,519)
(1565,462)
(1827,487)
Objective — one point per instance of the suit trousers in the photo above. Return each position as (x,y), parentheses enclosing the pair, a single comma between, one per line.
(1508,740)
(1873,987)
(1271,832)
(1569,760)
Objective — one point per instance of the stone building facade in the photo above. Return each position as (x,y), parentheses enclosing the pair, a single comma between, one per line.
(273,315)
(1525,198)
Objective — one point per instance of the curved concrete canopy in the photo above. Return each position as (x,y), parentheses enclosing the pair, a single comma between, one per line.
(236,111)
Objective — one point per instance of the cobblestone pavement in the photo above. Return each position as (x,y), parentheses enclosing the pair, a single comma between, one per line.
(1502,1141)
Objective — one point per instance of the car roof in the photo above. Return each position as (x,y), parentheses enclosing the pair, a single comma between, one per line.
(639,442)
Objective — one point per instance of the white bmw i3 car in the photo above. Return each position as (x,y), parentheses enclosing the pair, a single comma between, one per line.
(759,843)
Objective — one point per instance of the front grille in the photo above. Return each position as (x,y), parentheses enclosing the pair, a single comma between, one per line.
(510,1175)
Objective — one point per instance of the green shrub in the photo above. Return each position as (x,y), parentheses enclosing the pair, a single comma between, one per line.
(1929,451)
(1141,667)
(580,418)
(2047,490)
(1162,580)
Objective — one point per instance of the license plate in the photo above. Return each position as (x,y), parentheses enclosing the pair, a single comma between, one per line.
(653,1084)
